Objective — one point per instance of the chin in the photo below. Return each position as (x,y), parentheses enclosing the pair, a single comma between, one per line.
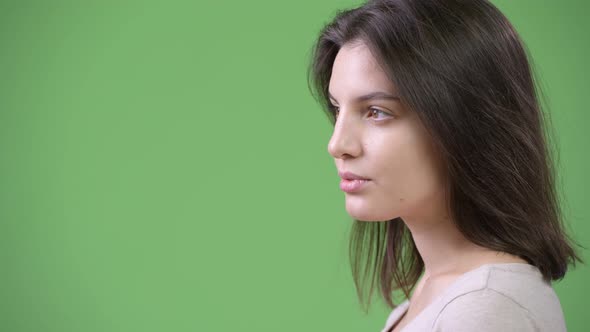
(368,214)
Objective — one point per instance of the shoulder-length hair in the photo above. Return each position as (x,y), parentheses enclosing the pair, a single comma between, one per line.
(461,66)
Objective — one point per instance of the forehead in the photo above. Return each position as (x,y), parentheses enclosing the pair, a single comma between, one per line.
(355,71)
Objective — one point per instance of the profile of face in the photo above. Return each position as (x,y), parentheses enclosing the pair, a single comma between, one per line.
(377,139)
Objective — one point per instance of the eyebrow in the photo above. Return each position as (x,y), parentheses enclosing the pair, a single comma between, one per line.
(372,95)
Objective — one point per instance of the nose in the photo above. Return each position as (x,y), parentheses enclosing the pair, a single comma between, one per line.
(345,140)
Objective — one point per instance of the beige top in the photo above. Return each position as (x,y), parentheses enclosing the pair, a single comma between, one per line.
(506,297)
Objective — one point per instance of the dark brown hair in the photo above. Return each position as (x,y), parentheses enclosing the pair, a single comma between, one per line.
(461,66)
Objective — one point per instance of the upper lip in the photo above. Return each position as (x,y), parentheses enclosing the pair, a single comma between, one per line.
(350,176)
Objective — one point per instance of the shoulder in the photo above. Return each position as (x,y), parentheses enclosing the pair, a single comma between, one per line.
(500,297)
(484,310)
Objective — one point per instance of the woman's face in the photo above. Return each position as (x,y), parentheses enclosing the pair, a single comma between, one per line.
(378,139)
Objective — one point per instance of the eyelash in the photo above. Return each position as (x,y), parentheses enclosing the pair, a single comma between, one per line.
(335,109)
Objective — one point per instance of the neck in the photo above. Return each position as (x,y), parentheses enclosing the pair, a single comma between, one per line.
(445,250)
(442,247)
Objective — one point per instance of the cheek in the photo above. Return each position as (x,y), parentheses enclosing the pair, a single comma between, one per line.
(409,173)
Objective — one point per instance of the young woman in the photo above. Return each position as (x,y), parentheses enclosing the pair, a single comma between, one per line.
(441,145)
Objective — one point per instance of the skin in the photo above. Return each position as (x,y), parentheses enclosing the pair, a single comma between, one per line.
(381,140)
(388,144)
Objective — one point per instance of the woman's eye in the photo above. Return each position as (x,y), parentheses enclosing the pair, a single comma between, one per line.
(374,113)
(378,114)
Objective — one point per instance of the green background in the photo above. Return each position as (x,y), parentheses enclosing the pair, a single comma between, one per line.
(164,167)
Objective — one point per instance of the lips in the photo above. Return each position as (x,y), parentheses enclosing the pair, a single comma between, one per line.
(351,182)
(352,186)
(351,176)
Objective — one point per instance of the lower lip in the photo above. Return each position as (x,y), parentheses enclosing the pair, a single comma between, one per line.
(351,186)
